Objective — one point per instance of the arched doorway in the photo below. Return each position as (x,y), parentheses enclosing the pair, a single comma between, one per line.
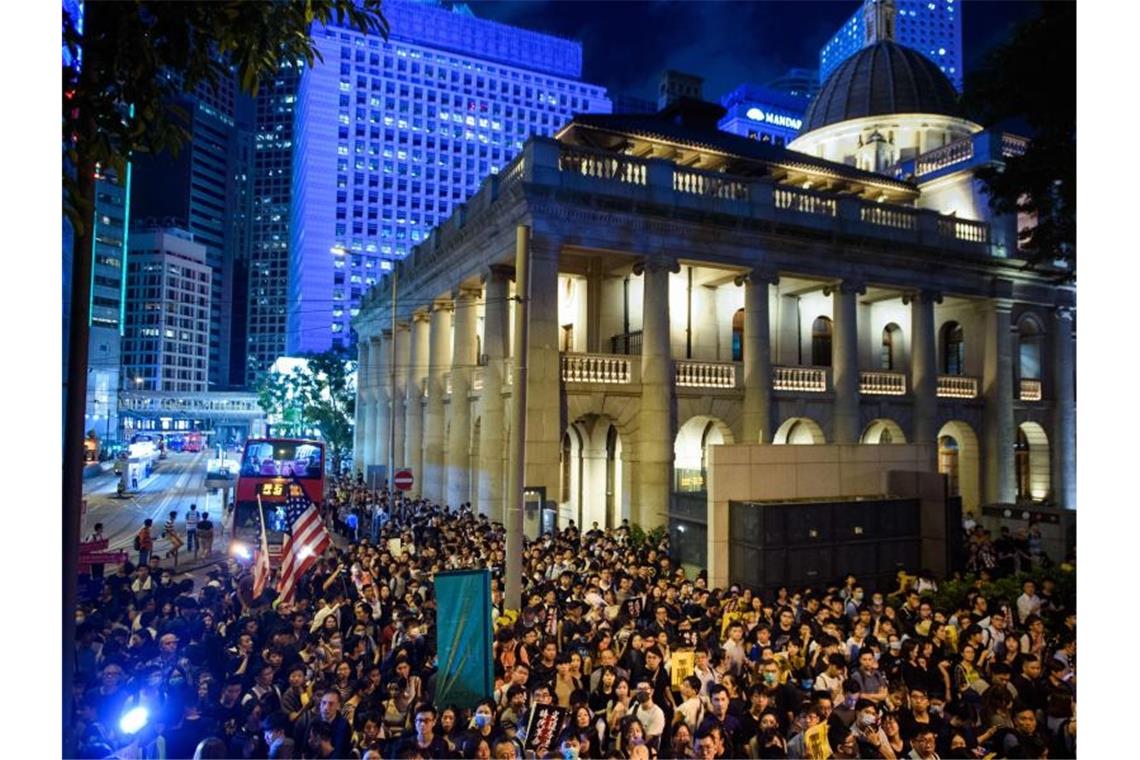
(890,353)
(883,431)
(953,349)
(821,342)
(591,473)
(1031,460)
(738,336)
(800,431)
(570,479)
(958,460)
(690,451)
(1030,336)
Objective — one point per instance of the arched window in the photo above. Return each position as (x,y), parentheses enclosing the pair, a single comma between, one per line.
(1029,340)
(738,336)
(564,491)
(891,354)
(953,349)
(821,342)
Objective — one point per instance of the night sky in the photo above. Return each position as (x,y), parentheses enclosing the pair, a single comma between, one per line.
(626,45)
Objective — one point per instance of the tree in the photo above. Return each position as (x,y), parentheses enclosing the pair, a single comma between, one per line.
(118,95)
(1033,77)
(320,396)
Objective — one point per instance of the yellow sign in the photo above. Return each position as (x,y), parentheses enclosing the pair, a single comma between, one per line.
(280,488)
(682,665)
(815,742)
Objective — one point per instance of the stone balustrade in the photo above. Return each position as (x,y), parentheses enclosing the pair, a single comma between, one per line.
(801,379)
(957,386)
(597,368)
(1029,390)
(694,374)
(879,383)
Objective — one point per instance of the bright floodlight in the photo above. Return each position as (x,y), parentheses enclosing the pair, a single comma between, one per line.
(133,720)
(240,550)
(305,552)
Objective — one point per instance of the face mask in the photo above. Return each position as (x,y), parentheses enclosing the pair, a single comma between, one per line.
(480,720)
(570,753)
(868,720)
(769,678)
(642,696)
(851,700)
(936,709)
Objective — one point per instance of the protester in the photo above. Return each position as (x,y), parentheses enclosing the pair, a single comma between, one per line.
(349,666)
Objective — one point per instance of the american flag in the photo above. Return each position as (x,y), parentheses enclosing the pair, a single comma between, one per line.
(305,541)
(261,555)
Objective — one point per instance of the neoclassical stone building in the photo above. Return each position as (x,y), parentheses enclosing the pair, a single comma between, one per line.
(692,287)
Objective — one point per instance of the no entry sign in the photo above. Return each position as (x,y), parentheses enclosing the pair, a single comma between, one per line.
(403,480)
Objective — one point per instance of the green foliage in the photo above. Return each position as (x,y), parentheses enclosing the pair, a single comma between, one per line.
(138,56)
(321,397)
(639,537)
(952,594)
(1033,76)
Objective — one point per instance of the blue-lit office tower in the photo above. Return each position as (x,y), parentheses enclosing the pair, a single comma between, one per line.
(272,193)
(199,190)
(763,113)
(932,27)
(801,84)
(391,136)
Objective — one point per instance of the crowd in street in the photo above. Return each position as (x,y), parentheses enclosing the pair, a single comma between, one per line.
(646,660)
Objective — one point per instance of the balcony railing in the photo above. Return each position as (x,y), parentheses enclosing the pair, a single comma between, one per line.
(477,379)
(596,368)
(712,184)
(627,343)
(957,386)
(899,217)
(692,374)
(1012,145)
(803,379)
(882,383)
(602,165)
(804,201)
(1029,390)
(963,229)
(947,155)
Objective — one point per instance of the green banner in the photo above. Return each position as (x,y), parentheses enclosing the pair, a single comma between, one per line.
(466,670)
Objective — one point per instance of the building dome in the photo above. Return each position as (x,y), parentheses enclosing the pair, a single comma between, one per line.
(883,78)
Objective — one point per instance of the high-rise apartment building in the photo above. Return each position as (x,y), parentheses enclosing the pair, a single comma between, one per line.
(763,113)
(933,28)
(272,192)
(167,337)
(391,136)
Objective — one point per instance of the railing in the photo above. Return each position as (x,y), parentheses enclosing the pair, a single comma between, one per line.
(712,184)
(1029,390)
(804,379)
(627,343)
(947,155)
(596,368)
(882,383)
(889,216)
(957,386)
(513,174)
(602,165)
(477,379)
(803,201)
(1012,145)
(964,229)
(692,374)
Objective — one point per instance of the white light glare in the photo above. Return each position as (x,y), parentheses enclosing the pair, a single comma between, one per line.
(133,720)
(240,550)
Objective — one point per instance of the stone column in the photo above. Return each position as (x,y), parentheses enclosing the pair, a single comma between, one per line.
(1064,411)
(492,444)
(924,366)
(403,359)
(544,423)
(369,457)
(595,277)
(997,390)
(382,346)
(845,361)
(414,401)
(757,412)
(462,367)
(439,356)
(655,420)
(361,405)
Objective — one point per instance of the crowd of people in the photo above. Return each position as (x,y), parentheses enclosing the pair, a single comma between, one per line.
(641,659)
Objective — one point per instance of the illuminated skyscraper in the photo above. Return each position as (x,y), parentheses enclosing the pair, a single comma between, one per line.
(932,27)
(390,137)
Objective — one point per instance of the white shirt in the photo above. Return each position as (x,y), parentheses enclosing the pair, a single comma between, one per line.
(651,719)
(693,710)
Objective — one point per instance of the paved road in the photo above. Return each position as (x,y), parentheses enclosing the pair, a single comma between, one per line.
(175,484)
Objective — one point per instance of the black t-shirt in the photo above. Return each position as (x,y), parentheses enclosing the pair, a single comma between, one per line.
(437,749)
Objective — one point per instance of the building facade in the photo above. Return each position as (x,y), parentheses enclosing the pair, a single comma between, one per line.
(167,337)
(934,29)
(272,183)
(763,113)
(392,135)
(690,287)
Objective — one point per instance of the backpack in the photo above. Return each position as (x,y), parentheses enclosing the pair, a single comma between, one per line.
(138,543)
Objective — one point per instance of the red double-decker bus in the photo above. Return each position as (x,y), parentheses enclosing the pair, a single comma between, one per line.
(274,468)
(192,441)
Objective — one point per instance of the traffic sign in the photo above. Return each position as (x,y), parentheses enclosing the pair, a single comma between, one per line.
(403,480)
